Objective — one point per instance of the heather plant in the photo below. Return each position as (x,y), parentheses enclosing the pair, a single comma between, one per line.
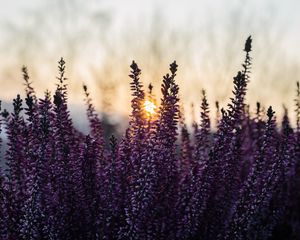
(185,146)
(203,138)
(160,180)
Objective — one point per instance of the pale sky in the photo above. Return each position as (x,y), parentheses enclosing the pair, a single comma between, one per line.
(99,39)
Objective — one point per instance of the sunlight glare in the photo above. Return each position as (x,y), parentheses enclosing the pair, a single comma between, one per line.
(149,107)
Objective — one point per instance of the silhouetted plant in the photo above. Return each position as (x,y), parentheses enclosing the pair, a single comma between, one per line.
(237,181)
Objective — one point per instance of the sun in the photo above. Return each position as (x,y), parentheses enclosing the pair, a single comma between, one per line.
(149,107)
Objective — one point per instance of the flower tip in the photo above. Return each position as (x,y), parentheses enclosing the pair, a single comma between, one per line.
(84,87)
(248,44)
(173,67)
(270,113)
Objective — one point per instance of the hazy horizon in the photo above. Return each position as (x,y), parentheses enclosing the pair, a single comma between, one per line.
(99,39)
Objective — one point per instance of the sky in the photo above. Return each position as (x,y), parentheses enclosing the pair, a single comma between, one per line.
(99,39)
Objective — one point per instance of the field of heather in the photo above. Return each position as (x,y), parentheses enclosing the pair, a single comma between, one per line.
(160,179)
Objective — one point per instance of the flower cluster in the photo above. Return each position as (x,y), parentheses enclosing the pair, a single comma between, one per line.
(159,181)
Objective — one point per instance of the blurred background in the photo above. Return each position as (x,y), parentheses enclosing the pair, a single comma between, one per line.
(99,39)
